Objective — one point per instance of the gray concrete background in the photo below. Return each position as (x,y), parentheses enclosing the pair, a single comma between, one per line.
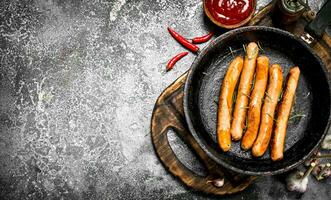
(78,82)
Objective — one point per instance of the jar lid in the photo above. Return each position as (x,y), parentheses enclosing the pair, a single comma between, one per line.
(293,6)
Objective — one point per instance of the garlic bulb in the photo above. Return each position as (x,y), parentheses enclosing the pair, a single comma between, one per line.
(298,181)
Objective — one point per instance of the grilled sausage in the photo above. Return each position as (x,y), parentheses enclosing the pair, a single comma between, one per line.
(277,144)
(255,104)
(244,89)
(225,103)
(268,110)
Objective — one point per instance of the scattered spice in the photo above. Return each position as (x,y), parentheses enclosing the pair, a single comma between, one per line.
(202,39)
(176,58)
(183,41)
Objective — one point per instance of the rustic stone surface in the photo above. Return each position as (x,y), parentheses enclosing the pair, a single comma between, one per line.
(78,82)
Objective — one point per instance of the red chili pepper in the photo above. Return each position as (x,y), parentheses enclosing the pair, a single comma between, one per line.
(202,39)
(183,41)
(173,60)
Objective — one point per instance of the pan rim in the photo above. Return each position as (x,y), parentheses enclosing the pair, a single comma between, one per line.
(188,83)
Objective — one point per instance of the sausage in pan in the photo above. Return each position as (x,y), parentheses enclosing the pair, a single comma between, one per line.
(268,110)
(244,90)
(255,104)
(225,103)
(277,144)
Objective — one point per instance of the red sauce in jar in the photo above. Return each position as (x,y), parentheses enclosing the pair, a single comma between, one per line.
(229,12)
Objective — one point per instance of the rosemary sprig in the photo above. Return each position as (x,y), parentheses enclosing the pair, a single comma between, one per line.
(260,47)
(234,97)
(296,116)
(271,117)
(231,51)
(244,47)
(246,125)
(281,95)
(267,95)
(253,83)
(307,95)
(246,95)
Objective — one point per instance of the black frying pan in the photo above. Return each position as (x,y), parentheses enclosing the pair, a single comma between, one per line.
(202,88)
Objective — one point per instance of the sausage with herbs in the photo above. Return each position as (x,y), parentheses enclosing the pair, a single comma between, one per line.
(277,144)
(244,90)
(268,110)
(225,103)
(255,104)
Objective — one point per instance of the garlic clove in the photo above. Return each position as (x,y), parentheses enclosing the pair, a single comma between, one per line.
(219,182)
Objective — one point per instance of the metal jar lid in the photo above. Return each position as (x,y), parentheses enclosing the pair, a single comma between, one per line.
(293,6)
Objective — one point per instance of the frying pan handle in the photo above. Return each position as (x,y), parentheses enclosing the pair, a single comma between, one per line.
(323,18)
(166,117)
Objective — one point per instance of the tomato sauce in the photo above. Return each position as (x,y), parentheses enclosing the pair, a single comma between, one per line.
(229,12)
